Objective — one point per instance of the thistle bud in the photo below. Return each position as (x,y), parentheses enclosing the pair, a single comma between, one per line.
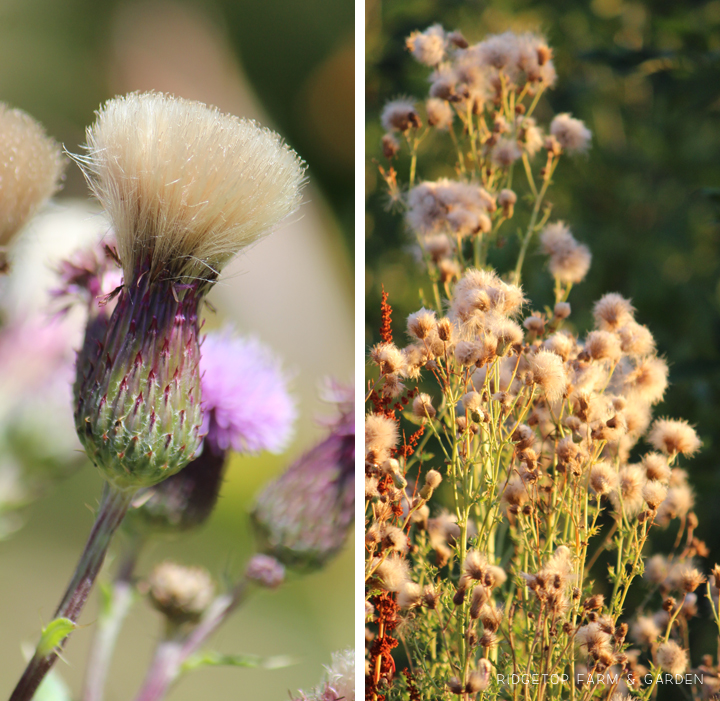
(246,407)
(180,593)
(185,188)
(265,571)
(304,516)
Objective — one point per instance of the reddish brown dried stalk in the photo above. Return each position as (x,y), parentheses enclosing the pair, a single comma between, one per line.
(382,665)
(386,326)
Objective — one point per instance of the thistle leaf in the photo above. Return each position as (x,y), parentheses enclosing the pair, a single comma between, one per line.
(211,658)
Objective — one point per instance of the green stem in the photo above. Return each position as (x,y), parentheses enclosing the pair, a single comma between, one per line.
(121,598)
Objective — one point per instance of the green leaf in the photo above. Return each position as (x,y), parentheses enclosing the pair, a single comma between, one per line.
(53,634)
(210,658)
(52,688)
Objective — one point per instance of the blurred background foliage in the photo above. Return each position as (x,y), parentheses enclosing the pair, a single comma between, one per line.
(645,77)
(290,65)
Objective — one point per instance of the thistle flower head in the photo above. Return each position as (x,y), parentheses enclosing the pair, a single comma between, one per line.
(571,133)
(673,436)
(672,658)
(439,113)
(186,187)
(399,115)
(303,517)
(549,372)
(338,684)
(569,260)
(427,47)
(31,167)
(181,593)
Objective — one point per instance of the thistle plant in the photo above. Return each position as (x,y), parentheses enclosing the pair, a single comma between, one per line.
(185,188)
(507,451)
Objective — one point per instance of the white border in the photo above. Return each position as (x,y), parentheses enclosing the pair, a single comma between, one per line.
(359,348)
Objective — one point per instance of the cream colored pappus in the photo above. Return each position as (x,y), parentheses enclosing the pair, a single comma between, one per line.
(31,167)
(186,187)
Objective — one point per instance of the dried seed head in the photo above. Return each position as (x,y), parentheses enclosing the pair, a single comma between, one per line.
(612,311)
(571,133)
(186,187)
(381,435)
(427,47)
(421,324)
(455,686)
(31,168)
(549,372)
(390,573)
(656,467)
(388,357)
(480,596)
(439,113)
(479,679)
(603,478)
(672,658)
(507,200)
(433,479)
(569,260)
(390,146)
(562,310)
(654,493)
(422,406)
(673,436)
(399,115)
(635,339)
(409,596)
(535,324)
(603,345)
(445,329)
(645,631)
(594,640)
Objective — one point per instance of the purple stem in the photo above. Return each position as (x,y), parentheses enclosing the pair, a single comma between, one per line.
(172,653)
(113,507)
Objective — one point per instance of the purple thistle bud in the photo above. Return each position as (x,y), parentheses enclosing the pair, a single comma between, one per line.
(265,571)
(247,407)
(304,516)
(137,391)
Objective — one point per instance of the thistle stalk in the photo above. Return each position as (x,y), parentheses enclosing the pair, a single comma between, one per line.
(113,508)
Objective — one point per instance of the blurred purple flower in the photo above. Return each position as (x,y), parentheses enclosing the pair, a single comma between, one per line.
(304,516)
(245,398)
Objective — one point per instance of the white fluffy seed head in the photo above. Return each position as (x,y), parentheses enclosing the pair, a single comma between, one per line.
(672,658)
(186,187)
(549,372)
(572,133)
(612,311)
(30,169)
(672,436)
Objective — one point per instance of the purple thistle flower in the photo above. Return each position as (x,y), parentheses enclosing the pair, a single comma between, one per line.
(245,400)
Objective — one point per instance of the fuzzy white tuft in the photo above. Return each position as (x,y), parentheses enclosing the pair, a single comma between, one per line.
(186,187)
(30,170)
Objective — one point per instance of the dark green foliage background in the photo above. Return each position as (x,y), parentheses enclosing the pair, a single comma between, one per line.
(645,77)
